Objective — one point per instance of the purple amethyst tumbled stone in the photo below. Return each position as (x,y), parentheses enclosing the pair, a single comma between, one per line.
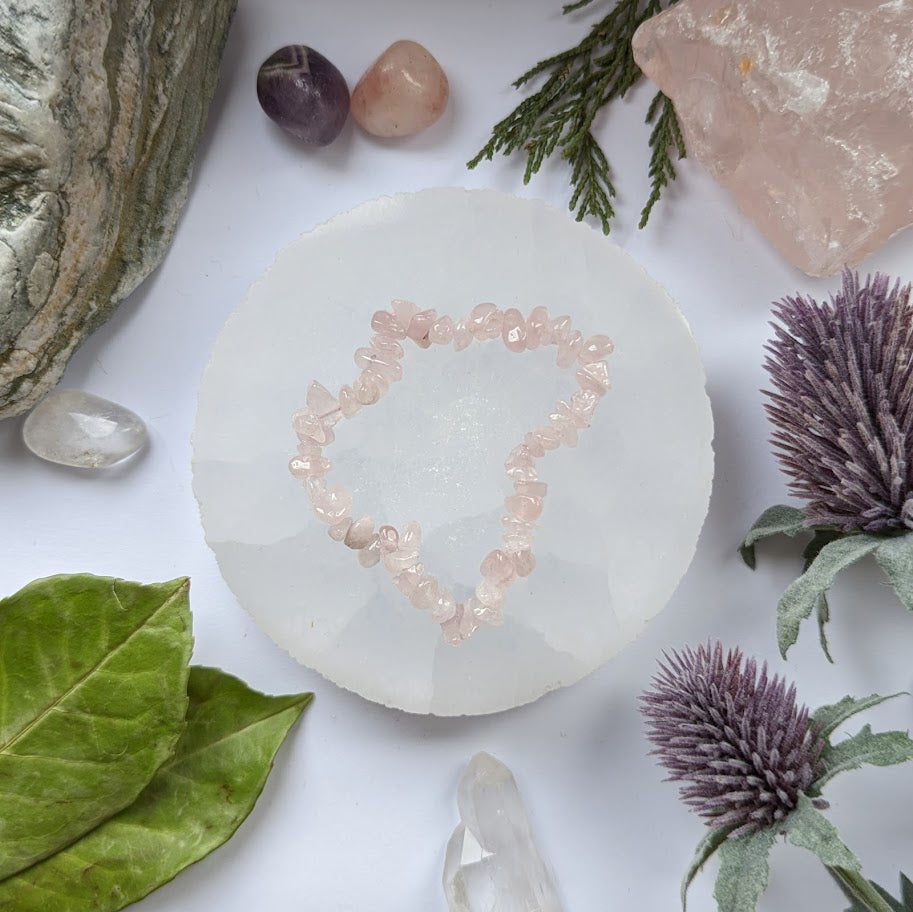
(304,93)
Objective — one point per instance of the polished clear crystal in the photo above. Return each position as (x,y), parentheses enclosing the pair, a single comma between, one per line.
(492,864)
(74,428)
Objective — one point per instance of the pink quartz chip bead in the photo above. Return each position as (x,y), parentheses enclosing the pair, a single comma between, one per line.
(311,466)
(489,594)
(385,324)
(426,593)
(568,348)
(548,437)
(533,488)
(583,404)
(462,337)
(513,330)
(360,533)
(533,444)
(561,328)
(323,403)
(443,608)
(595,349)
(387,367)
(333,506)
(524,507)
(484,322)
(524,562)
(441,332)
(497,567)
(539,328)
(594,377)
(307,425)
(404,311)
(389,538)
(387,345)
(469,623)
(339,531)
(419,327)
(410,538)
(406,580)
(568,414)
(369,387)
(348,402)
(369,556)
(565,427)
(487,614)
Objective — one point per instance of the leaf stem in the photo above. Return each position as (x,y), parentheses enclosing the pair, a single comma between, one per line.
(860,889)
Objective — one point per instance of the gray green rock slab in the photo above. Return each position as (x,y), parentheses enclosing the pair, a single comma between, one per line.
(102,103)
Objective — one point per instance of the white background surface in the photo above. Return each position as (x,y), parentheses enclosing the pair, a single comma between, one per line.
(361,803)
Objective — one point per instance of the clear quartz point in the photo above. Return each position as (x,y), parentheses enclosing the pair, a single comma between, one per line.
(491,863)
(74,428)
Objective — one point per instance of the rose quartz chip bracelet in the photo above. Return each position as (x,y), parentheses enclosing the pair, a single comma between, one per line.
(380,366)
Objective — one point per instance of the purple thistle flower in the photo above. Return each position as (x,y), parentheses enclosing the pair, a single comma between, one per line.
(737,738)
(843,405)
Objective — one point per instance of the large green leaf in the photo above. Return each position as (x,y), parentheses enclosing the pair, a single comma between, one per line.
(779,520)
(808,828)
(904,904)
(713,839)
(895,557)
(195,803)
(874,748)
(803,595)
(832,715)
(744,870)
(93,683)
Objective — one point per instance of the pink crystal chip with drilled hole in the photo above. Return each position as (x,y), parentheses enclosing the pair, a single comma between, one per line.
(802,110)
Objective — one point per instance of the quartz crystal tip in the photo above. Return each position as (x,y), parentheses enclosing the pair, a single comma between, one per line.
(491,863)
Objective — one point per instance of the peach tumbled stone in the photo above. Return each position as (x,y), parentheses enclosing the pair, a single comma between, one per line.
(403,92)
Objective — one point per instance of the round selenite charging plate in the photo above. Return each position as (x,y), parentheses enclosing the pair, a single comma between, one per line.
(623,509)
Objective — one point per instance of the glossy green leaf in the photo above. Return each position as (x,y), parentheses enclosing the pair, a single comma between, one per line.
(713,839)
(802,595)
(868,747)
(895,557)
(832,715)
(93,683)
(808,828)
(194,804)
(744,870)
(779,520)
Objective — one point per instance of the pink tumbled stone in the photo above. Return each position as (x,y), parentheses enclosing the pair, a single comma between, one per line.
(403,310)
(333,506)
(462,337)
(533,444)
(487,614)
(406,580)
(309,427)
(566,428)
(595,349)
(441,331)
(583,404)
(308,448)
(385,324)
(513,330)
(524,562)
(444,608)
(411,537)
(803,111)
(425,594)
(524,507)
(594,377)
(484,322)
(402,92)
(497,567)
(469,623)
(366,388)
(569,414)
(548,437)
(360,533)
(323,403)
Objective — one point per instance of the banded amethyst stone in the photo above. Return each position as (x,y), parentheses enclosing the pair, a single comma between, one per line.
(304,93)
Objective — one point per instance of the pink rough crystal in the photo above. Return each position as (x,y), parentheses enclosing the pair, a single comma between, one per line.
(802,110)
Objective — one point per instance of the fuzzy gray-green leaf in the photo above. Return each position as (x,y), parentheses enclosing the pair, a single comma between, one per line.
(93,680)
(867,747)
(830,716)
(895,557)
(808,828)
(713,839)
(743,871)
(778,520)
(195,803)
(802,595)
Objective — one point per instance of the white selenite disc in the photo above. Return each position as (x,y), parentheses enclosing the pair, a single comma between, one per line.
(623,509)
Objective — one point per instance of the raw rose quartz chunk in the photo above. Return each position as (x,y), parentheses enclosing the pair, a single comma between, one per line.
(802,110)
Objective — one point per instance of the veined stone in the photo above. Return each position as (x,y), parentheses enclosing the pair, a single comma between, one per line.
(101,106)
(802,110)
(492,864)
(74,428)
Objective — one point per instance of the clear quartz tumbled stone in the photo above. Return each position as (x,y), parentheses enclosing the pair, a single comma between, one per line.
(492,864)
(74,428)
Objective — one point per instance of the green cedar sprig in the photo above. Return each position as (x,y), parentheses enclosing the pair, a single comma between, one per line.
(559,117)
